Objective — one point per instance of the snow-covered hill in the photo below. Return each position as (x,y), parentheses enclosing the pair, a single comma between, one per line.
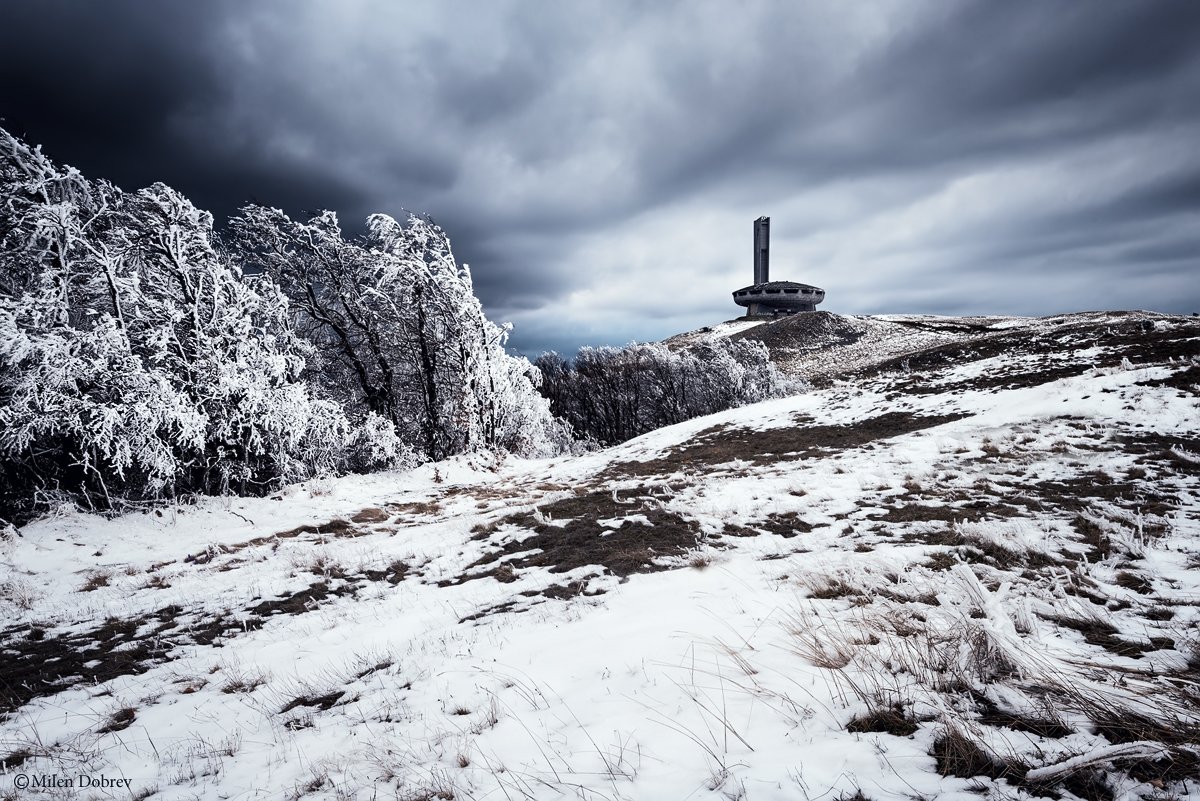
(965,562)
(823,345)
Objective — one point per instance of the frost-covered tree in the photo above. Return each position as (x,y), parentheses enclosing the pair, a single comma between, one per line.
(478,396)
(135,360)
(614,394)
(139,360)
(398,332)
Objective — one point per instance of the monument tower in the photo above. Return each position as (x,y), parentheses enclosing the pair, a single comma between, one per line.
(762,250)
(767,298)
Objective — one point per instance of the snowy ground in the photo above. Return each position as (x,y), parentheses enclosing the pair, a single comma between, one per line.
(711,332)
(969,567)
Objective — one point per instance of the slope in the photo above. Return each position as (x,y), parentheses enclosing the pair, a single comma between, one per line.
(823,345)
(965,562)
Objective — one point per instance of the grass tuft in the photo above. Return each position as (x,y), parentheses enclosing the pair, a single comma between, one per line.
(119,720)
(1134,581)
(316,701)
(95,582)
(957,754)
(890,720)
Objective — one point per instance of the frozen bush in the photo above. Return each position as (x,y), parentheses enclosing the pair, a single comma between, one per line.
(614,394)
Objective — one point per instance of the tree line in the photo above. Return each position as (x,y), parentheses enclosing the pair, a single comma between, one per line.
(144,355)
(609,395)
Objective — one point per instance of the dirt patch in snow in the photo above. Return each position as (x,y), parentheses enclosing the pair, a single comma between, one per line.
(319,532)
(804,332)
(635,537)
(298,603)
(1078,494)
(1102,633)
(1132,337)
(724,444)
(1179,454)
(325,701)
(35,663)
(927,510)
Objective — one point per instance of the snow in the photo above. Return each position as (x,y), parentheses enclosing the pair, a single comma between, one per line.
(732,674)
(1068,766)
(718,331)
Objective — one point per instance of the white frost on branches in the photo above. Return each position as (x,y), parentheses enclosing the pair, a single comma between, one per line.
(139,359)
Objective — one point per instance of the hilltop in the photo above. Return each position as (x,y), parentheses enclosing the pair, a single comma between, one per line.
(823,345)
(964,562)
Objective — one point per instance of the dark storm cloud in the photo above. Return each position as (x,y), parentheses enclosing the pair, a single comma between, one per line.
(101,84)
(916,154)
(1177,192)
(980,81)
(993,59)
(126,90)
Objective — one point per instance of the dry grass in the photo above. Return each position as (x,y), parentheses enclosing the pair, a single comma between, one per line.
(239,681)
(567,536)
(118,720)
(821,641)
(957,753)
(832,588)
(723,444)
(15,759)
(895,660)
(891,720)
(323,702)
(1134,581)
(371,515)
(95,581)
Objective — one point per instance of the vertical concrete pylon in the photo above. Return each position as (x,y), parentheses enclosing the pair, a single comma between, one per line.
(762,250)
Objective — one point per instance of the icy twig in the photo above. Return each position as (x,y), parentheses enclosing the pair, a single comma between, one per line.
(1142,749)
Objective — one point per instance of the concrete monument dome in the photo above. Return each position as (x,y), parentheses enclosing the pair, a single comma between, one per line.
(767,298)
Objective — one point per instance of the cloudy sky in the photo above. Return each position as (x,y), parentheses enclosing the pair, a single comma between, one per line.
(599,164)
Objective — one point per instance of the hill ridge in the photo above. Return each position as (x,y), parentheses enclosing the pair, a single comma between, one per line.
(823,345)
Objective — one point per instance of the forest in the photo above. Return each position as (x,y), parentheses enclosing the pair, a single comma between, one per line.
(148,354)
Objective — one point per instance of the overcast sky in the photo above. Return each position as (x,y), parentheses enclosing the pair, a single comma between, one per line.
(599,164)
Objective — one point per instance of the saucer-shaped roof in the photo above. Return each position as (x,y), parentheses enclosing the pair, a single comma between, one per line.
(780,286)
(780,295)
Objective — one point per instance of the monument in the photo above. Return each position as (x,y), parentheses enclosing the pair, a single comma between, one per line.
(767,298)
